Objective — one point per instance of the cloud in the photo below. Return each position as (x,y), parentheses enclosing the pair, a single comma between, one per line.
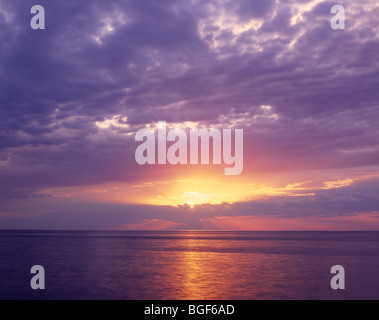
(154,224)
(353,207)
(359,221)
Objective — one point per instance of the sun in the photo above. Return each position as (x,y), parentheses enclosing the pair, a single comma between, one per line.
(190,204)
(194,197)
(197,191)
(191,191)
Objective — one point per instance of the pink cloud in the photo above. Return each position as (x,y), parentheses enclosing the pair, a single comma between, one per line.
(154,224)
(9,214)
(360,221)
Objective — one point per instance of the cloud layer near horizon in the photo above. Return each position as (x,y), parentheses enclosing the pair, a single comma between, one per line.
(72,96)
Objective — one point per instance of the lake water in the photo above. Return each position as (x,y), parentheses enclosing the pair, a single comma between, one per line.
(188,264)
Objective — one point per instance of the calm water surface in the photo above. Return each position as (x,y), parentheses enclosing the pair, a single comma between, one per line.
(188,265)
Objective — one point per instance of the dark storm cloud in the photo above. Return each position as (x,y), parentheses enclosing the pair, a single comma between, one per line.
(181,61)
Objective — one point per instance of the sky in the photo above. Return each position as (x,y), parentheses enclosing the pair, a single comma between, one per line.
(73,96)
